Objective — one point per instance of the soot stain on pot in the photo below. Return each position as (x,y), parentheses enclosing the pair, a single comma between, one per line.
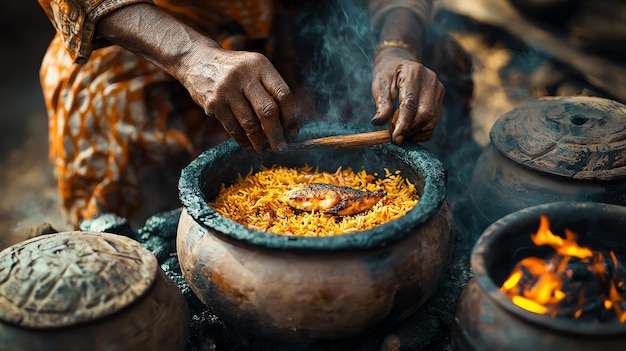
(214,286)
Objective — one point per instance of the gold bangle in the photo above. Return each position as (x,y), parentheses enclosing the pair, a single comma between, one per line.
(397,43)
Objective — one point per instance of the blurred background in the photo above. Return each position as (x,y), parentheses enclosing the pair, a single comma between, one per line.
(521,50)
(27,185)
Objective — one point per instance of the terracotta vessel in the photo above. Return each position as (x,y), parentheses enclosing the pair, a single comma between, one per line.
(552,149)
(299,289)
(486,319)
(88,291)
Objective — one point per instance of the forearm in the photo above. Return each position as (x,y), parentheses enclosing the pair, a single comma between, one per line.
(400,27)
(151,33)
(398,75)
(403,20)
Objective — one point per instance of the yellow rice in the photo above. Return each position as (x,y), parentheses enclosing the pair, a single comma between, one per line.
(254,201)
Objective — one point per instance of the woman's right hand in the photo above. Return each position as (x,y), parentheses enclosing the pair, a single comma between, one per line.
(241,89)
(245,93)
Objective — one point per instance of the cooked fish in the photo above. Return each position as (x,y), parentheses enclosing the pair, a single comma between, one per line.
(332,199)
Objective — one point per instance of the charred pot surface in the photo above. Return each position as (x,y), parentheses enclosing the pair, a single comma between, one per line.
(305,289)
(552,149)
(487,319)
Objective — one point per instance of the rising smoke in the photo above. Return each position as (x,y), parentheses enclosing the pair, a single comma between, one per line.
(338,45)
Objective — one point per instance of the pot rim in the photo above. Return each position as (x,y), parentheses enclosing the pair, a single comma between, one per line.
(429,168)
(499,230)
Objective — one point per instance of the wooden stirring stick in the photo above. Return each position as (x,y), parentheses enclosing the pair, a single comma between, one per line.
(343,141)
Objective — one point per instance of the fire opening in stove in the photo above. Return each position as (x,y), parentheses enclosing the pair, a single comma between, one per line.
(574,281)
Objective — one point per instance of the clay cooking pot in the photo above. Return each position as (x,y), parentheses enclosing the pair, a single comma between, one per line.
(301,289)
(552,149)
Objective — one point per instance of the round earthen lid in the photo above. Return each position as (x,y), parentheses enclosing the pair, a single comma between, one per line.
(63,279)
(577,137)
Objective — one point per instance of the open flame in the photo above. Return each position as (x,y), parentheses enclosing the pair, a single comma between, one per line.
(573,281)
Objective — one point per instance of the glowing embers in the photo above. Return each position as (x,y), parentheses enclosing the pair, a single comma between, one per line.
(573,281)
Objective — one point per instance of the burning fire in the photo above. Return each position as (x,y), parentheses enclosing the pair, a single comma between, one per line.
(573,281)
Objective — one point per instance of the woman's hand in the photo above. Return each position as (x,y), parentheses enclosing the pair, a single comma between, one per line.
(419,94)
(245,93)
(241,89)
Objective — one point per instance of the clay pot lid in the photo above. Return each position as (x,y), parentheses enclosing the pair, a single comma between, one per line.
(63,279)
(576,137)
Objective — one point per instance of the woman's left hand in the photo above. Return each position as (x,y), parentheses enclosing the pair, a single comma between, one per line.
(419,93)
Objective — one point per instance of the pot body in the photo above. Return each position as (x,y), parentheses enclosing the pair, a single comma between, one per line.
(501,186)
(314,296)
(486,319)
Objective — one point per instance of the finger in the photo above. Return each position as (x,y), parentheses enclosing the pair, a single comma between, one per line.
(395,88)
(268,115)
(392,122)
(426,132)
(429,111)
(381,88)
(420,107)
(287,106)
(248,121)
(407,110)
(232,126)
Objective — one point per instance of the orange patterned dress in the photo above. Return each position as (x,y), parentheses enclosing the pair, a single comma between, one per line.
(116,116)
(115,119)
